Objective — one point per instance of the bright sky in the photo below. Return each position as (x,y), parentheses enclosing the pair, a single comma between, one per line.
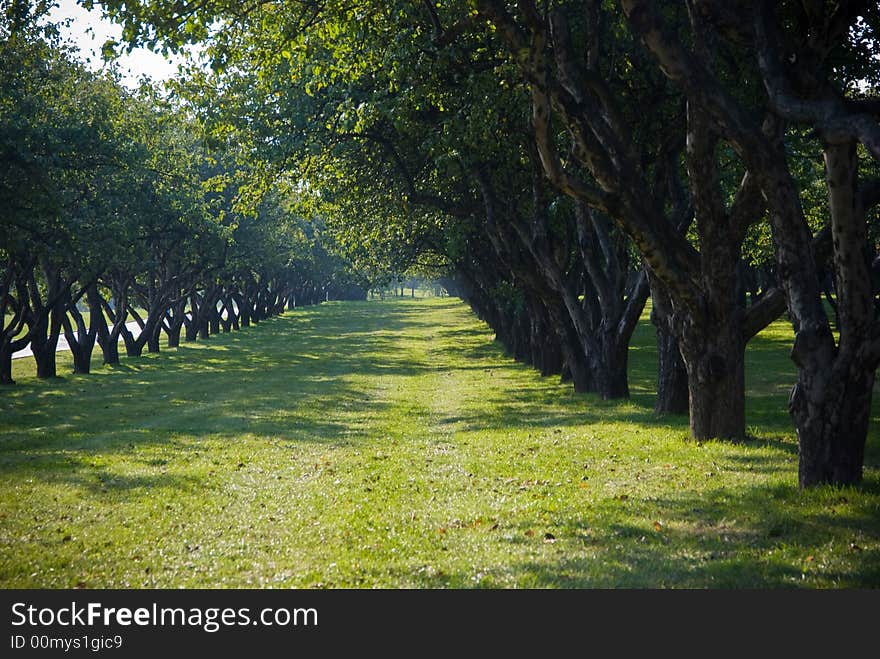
(89,31)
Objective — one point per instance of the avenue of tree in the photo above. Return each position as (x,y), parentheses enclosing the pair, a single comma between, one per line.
(117,210)
(556,163)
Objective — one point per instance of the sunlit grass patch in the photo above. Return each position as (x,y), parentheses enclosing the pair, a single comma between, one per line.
(393,444)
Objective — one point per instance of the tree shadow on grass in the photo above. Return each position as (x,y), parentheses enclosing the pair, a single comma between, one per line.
(299,381)
(101,481)
(759,538)
(295,379)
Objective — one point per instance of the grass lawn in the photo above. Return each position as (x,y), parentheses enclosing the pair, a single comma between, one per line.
(393,444)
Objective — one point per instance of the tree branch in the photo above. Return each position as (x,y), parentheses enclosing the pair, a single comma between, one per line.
(828,114)
(763,312)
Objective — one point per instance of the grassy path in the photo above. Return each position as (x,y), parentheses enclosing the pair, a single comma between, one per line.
(393,445)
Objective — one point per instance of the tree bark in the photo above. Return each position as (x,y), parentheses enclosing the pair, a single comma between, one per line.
(232,310)
(153,339)
(6,364)
(672,379)
(831,406)
(109,349)
(47,325)
(133,348)
(44,356)
(832,431)
(243,313)
(714,359)
(832,392)
(173,333)
(109,340)
(174,321)
(13,306)
(81,341)
(192,327)
(672,385)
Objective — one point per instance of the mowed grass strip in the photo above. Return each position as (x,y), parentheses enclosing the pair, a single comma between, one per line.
(393,444)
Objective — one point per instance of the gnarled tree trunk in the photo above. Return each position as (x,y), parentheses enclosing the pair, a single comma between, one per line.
(672,378)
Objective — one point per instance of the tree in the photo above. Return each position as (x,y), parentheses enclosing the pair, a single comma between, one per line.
(826,51)
(344,113)
(62,141)
(625,156)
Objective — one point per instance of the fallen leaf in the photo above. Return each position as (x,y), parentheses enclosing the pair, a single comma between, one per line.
(658,527)
(810,559)
(530,533)
(441,530)
(583,486)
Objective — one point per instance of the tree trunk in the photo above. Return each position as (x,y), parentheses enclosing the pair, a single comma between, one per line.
(714,358)
(44,342)
(133,348)
(672,383)
(609,363)
(81,343)
(225,315)
(172,323)
(544,342)
(551,357)
(672,379)
(832,432)
(46,319)
(214,320)
(174,334)
(192,327)
(108,343)
(44,355)
(153,340)
(6,364)
(831,406)
(110,352)
(82,360)
(233,312)
(151,326)
(134,345)
(576,368)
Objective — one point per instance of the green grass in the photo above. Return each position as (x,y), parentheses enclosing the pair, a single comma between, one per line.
(393,444)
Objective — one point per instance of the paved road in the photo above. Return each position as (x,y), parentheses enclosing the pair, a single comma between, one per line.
(62,343)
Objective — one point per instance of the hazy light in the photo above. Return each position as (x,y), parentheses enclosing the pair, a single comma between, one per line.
(89,31)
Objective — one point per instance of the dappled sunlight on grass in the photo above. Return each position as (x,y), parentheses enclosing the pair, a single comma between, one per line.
(393,444)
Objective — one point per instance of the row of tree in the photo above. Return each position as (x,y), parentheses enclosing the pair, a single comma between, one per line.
(117,209)
(561,161)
